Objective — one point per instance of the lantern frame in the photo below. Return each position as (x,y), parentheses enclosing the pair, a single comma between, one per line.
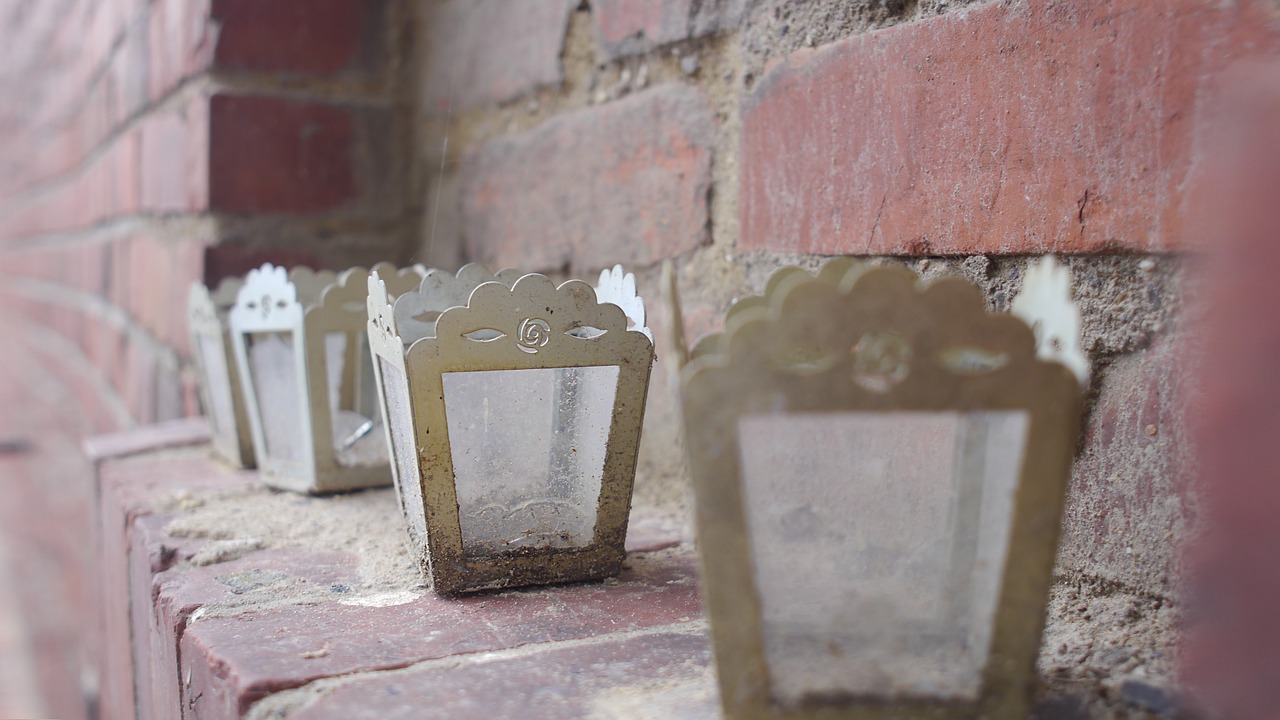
(796,349)
(430,498)
(207,313)
(308,306)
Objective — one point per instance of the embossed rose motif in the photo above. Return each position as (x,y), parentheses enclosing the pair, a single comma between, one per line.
(881,360)
(534,333)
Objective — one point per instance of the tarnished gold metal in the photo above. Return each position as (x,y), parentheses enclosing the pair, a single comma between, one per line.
(215,362)
(531,325)
(302,310)
(873,340)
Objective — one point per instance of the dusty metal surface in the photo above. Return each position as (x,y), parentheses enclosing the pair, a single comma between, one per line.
(797,349)
(532,327)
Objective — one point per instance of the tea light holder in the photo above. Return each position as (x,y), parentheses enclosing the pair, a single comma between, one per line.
(307,376)
(219,377)
(513,420)
(879,470)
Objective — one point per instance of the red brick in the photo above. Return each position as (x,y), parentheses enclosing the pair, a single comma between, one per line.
(188,268)
(155,683)
(306,37)
(182,42)
(180,592)
(1067,126)
(270,155)
(626,27)
(1235,631)
(128,486)
(227,259)
(177,433)
(173,155)
(1130,506)
(235,661)
(624,182)
(488,51)
(664,674)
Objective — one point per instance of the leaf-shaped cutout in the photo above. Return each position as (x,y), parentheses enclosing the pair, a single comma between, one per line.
(353,306)
(586,332)
(806,361)
(972,360)
(484,335)
(428,316)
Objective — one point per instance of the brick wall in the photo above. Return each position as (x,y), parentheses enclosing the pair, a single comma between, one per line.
(147,144)
(741,135)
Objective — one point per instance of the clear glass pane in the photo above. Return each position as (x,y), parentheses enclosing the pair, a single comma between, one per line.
(217,379)
(528,454)
(273,364)
(358,440)
(878,541)
(403,446)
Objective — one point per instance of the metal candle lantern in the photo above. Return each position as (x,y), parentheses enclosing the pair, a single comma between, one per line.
(216,366)
(879,470)
(514,422)
(307,376)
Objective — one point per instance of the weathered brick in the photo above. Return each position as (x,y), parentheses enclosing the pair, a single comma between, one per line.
(235,661)
(271,155)
(174,159)
(182,42)
(306,37)
(1130,505)
(665,674)
(128,491)
(627,27)
(228,258)
(1030,127)
(257,577)
(1234,629)
(488,51)
(156,686)
(624,182)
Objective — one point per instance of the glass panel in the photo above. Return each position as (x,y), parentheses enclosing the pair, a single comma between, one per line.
(357,434)
(403,446)
(272,362)
(878,541)
(335,362)
(366,390)
(217,378)
(528,454)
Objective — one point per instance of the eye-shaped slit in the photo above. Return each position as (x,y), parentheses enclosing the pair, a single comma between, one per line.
(350,307)
(484,335)
(586,332)
(428,316)
(971,360)
(806,361)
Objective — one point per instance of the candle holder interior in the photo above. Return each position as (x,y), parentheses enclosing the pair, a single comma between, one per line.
(308,377)
(879,470)
(513,420)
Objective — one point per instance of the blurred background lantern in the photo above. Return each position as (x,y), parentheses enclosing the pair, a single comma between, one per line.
(215,363)
(308,378)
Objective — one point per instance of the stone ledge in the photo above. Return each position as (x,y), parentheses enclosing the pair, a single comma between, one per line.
(224,599)
(221,593)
